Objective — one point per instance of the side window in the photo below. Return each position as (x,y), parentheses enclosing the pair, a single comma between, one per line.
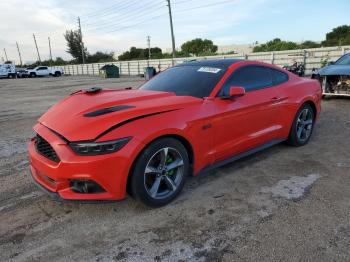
(42,68)
(278,77)
(250,77)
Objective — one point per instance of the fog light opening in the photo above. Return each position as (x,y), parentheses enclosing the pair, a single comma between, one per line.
(85,187)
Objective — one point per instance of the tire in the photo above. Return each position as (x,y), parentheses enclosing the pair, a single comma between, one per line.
(32,75)
(155,181)
(302,126)
(10,76)
(57,74)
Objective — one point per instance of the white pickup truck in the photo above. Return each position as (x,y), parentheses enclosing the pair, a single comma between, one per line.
(43,71)
(7,70)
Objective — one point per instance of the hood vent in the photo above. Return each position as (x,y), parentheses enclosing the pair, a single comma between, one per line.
(107,110)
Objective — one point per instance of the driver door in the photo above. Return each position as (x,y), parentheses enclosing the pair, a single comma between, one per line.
(43,71)
(249,121)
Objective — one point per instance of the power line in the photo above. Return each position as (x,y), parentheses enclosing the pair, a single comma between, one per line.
(94,13)
(138,13)
(126,19)
(202,6)
(181,2)
(112,10)
(128,16)
(118,16)
(136,24)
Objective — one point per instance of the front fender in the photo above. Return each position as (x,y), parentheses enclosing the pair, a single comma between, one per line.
(186,125)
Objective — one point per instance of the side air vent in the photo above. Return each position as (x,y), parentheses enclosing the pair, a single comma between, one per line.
(107,110)
(45,149)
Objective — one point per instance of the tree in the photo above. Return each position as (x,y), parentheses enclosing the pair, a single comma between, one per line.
(276,45)
(60,61)
(100,57)
(198,46)
(338,36)
(140,53)
(74,45)
(309,44)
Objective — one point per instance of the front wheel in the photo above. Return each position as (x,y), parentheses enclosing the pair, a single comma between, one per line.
(159,173)
(302,127)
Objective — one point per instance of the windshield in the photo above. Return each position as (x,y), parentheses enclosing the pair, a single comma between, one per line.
(344,60)
(197,81)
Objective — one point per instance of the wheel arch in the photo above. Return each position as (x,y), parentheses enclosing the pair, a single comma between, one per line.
(313,106)
(306,101)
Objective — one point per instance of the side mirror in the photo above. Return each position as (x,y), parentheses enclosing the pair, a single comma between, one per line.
(331,63)
(236,91)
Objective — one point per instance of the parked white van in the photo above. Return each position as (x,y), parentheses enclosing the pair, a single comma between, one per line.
(7,70)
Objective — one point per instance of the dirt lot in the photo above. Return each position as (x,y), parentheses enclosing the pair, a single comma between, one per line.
(283,204)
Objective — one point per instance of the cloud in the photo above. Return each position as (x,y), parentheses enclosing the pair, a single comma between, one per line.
(103,21)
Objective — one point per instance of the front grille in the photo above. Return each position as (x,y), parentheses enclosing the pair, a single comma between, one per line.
(45,149)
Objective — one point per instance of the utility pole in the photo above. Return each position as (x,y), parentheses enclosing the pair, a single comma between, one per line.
(149,46)
(149,49)
(81,41)
(172,30)
(19,54)
(6,54)
(50,51)
(37,49)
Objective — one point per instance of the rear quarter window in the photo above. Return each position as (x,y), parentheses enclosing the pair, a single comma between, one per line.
(279,77)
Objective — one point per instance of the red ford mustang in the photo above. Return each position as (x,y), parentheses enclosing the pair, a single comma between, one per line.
(99,144)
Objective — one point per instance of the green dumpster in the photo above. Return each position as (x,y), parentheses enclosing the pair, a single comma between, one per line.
(109,71)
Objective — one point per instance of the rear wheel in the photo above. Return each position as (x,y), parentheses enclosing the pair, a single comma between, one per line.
(57,74)
(302,127)
(160,172)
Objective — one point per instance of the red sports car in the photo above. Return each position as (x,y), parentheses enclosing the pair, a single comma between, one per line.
(99,144)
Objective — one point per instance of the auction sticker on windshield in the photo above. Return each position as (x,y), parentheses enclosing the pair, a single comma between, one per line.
(208,69)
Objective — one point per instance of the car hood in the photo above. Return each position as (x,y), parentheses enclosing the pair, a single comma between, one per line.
(335,70)
(85,116)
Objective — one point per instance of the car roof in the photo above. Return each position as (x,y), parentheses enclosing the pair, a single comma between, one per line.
(221,63)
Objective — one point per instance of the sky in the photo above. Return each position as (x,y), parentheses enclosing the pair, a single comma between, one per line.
(116,25)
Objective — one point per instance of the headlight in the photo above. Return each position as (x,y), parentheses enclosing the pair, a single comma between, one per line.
(98,148)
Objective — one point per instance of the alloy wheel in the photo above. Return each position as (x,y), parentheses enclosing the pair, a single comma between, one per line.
(163,173)
(304,124)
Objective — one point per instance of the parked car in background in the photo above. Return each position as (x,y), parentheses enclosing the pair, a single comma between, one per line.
(44,71)
(7,71)
(335,77)
(99,144)
(21,73)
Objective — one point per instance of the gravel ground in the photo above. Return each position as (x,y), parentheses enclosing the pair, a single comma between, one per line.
(283,204)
